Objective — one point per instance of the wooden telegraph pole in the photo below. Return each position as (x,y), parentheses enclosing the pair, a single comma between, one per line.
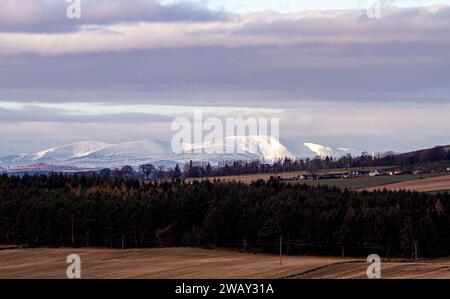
(415,251)
(280,249)
(123,243)
(73,232)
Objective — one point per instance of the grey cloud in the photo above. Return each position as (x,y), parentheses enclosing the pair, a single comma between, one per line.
(36,114)
(259,30)
(259,75)
(403,57)
(49,16)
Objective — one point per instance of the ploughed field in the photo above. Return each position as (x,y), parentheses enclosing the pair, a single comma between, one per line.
(194,263)
(427,269)
(366,182)
(438,183)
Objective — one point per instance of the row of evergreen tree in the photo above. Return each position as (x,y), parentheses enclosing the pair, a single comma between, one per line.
(60,210)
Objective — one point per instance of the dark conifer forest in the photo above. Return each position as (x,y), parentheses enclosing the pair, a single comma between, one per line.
(79,211)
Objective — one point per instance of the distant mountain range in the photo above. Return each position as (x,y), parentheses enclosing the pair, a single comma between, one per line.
(324,151)
(94,154)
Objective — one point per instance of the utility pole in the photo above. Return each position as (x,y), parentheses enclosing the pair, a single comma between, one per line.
(123,241)
(415,251)
(73,235)
(280,249)
(287,246)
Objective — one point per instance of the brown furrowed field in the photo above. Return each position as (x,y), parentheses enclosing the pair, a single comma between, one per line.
(185,263)
(439,183)
(173,263)
(432,269)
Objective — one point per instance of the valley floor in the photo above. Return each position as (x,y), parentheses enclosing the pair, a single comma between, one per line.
(193,263)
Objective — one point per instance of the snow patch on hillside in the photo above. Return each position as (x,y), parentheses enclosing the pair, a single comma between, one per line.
(320,150)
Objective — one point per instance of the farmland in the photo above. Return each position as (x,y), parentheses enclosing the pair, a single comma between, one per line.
(180,263)
(438,183)
(194,263)
(426,269)
(417,182)
(249,178)
(366,181)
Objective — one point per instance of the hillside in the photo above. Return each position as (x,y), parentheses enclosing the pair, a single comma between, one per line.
(94,154)
(437,153)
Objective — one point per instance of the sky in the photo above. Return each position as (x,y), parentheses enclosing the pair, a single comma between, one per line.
(331,73)
(288,6)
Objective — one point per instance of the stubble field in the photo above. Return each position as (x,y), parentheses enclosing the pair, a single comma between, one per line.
(194,263)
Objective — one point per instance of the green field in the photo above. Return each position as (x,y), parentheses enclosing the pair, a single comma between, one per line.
(366,181)
(350,169)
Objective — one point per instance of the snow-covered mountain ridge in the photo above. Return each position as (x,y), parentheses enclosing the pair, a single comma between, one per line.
(95,154)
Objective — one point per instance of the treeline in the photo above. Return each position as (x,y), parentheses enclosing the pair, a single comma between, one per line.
(422,159)
(426,160)
(79,211)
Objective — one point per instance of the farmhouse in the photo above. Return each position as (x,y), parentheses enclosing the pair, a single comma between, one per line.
(396,171)
(376,172)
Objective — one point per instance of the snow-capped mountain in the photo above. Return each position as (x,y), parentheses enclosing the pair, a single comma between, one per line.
(324,151)
(60,154)
(320,150)
(266,148)
(94,154)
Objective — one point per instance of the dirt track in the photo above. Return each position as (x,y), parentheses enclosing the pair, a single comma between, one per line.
(185,263)
(439,183)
